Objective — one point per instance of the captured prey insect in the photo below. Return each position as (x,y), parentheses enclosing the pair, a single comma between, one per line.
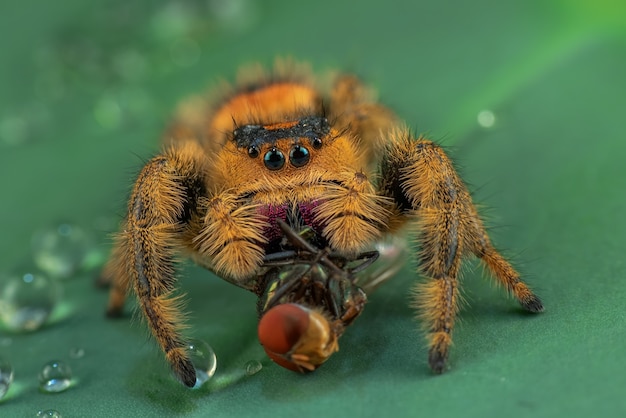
(283,186)
(308,296)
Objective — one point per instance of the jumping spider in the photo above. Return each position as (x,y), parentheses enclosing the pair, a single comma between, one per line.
(283,187)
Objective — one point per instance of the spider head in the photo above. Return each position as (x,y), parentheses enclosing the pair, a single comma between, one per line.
(280,144)
(284,155)
(276,137)
(296,337)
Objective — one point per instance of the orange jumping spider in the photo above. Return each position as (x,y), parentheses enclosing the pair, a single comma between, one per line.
(283,187)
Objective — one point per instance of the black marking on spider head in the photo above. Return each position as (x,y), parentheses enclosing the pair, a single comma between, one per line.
(252,137)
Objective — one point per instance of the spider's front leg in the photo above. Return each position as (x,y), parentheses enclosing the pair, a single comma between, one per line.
(162,204)
(421,179)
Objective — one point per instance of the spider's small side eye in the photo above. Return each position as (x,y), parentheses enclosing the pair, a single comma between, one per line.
(253,151)
(317,143)
(299,156)
(274,159)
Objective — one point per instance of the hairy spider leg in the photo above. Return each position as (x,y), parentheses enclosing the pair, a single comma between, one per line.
(422,180)
(160,208)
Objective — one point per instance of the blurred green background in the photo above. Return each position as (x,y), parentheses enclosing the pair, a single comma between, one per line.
(87,87)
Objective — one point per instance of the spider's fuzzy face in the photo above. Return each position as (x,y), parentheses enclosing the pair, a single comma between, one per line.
(298,137)
(281,148)
(285,187)
(283,155)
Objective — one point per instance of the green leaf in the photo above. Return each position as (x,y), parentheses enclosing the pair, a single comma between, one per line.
(86,90)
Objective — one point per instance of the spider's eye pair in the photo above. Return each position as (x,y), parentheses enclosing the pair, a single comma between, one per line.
(274,159)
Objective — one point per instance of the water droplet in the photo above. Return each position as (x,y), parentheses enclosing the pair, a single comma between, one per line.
(27,300)
(49,413)
(486,118)
(203,359)
(253,367)
(61,250)
(6,377)
(77,352)
(56,376)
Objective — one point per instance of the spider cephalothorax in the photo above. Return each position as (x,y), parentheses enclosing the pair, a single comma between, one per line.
(284,188)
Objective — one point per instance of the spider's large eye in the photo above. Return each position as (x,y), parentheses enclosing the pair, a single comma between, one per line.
(274,159)
(253,151)
(299,156)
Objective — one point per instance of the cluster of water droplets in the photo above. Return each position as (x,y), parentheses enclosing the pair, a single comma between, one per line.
(204,361)
(54,377)
(32,291)
(30,294)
